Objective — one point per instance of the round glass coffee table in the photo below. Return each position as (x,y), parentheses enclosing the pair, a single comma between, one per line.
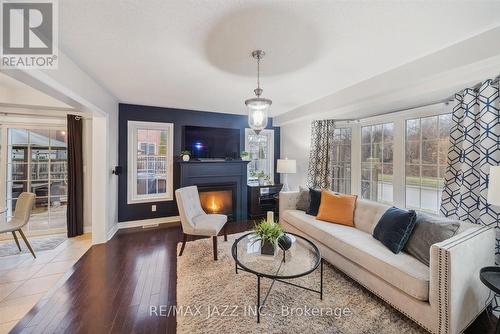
(301,259)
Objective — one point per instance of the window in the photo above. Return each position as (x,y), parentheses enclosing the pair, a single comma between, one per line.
(425,159)
(37,162)
(342,160)
(147,148)
(150,162)
(260,148)
(377,162)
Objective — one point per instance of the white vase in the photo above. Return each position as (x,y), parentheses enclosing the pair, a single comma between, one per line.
(185,157)
(262,181)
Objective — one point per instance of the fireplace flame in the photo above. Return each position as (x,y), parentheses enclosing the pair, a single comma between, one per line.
(214,207)
(217,201)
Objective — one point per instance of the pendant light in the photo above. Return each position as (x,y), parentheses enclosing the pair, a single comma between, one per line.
(258,107)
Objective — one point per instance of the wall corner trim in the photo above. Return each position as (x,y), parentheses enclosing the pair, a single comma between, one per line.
(111,232)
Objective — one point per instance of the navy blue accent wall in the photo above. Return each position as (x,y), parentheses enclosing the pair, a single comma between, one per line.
(180,118)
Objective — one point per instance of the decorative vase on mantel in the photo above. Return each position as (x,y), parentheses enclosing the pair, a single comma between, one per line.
(185,155)
(262,181)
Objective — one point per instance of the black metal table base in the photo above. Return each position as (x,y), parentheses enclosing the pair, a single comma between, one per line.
(260,305)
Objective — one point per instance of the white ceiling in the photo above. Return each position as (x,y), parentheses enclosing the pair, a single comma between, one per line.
(196,54)
(14,93)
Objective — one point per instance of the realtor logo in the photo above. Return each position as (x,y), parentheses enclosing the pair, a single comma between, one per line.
(29,34)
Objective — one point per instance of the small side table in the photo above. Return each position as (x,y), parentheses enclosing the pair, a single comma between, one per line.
(490,276)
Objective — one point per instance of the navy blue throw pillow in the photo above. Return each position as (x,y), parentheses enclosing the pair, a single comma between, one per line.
(394,228)
(315,197)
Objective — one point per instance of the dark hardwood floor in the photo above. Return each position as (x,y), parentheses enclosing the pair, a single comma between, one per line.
(113,285)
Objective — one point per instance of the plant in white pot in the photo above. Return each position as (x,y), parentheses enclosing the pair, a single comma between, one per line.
(185,155)
(261,176)
(245,156)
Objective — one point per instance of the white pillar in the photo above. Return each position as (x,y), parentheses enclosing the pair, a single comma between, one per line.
(100,179)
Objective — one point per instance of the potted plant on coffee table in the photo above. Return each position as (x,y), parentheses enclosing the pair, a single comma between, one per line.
(268,232)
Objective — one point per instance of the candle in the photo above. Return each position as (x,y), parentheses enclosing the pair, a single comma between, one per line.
(270,216)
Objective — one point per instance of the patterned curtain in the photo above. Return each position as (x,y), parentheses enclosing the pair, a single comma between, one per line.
(320,171)
(474,147)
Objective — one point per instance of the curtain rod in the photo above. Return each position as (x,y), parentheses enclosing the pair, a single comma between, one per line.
(24,108)
(445,101)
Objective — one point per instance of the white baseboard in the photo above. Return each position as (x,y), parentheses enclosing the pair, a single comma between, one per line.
(111,232)
(174,220)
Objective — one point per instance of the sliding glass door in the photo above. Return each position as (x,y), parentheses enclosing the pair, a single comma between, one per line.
(36,161)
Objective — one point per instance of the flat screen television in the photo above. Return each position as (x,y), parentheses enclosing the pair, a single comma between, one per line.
(207,142)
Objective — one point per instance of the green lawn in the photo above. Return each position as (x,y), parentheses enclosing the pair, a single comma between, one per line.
(431,182)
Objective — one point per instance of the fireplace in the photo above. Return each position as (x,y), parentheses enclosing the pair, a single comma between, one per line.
(218,198)
(219,177)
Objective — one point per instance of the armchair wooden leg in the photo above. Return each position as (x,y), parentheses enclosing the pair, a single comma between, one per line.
(17,241)
(225,232)
(184,239)
(214,238)
(27,243)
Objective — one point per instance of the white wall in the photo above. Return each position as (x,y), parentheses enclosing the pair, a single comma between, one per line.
(295,141)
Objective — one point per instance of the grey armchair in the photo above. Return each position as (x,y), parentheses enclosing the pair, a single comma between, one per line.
(195,221)
(22,213)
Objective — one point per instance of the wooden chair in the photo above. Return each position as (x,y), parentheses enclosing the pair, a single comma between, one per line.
(195,221)
(21,217)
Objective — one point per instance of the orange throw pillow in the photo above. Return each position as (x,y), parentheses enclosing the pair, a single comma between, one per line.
(337,208)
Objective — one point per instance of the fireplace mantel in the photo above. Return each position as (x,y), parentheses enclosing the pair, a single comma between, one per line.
(212,173)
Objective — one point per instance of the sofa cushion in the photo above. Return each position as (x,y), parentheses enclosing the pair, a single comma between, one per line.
(314,201)
(209,224)
(337,208)
(401,270)
(394,228)
(303,200)
(427,232)
(367,214)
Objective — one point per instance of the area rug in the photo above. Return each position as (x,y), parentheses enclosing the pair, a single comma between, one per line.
(9,247)
(212,298)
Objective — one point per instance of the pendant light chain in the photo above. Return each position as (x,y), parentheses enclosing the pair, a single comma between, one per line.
(258,72)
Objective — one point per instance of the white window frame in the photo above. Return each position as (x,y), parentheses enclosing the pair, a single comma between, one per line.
(399,119)
(438,165)
(382,123)
(132,196)
(267,132)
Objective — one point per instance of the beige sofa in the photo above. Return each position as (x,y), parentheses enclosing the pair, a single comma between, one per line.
(443,298)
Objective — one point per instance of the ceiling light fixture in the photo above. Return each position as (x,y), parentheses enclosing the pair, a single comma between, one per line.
(258,107)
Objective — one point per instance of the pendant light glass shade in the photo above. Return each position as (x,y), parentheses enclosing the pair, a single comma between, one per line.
(258,107)
(258,112)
